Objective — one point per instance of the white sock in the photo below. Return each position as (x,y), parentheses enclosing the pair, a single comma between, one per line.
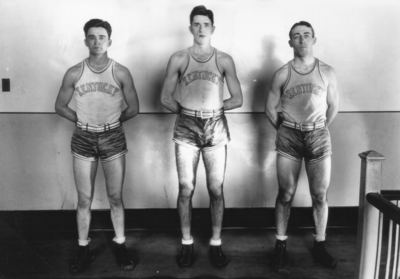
(216,242)
(281,237)
(319,238)
(119,240)
(187,242)
(84,242)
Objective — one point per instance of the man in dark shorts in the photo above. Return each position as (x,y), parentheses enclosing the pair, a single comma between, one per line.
(201,127)
(308,92)
(100,86)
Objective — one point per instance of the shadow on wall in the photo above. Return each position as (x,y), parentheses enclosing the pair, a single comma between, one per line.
(265,137)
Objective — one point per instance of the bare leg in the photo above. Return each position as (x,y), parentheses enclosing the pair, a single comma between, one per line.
(114,172)
(319,175)
(215,162)
(288,174)
(84,174)
(187,161)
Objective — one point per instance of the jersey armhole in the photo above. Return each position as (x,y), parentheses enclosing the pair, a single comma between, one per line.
(216,63)
(320,73)
(288,76)
(187,66)
(81,73)
(113,74)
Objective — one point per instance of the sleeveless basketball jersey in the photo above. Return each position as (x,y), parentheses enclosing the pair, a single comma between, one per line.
(304,96)
(98,95)
(202,77)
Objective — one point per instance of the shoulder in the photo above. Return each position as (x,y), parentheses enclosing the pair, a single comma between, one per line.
(75,70)
(327,71)
(281,74)
(73,73)
(223,57)
(121,69)
(180,56)
(122,73)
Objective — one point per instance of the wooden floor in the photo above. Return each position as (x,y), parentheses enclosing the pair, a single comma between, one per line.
(47,255)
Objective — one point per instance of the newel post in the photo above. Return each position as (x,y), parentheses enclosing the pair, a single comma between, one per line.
(368,215)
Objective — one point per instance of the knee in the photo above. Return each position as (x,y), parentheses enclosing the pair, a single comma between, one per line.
(285,196)
(115,200)
(186,189)
(215,192)
(84,202)
(319,198)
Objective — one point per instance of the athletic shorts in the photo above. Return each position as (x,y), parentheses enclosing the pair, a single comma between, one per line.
(201,134)
(90,146)
(313,146)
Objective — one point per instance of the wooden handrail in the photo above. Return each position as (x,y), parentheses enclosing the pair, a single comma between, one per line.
(385,206)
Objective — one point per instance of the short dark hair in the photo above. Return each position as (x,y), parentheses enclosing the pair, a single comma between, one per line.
(201,10)
(305,23)
(97,23)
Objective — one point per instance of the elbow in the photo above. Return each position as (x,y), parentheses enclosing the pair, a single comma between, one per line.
(165,102)
(58,109)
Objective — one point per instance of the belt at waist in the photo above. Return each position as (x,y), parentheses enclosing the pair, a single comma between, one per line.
(98,128)
(202,114)
(305,126)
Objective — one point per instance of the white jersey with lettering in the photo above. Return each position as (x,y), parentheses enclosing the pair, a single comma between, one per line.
(202,80)
(304,96)
(98,95)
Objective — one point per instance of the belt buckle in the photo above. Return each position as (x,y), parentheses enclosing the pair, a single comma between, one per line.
(299,126)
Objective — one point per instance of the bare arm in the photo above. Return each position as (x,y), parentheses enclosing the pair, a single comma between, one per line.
(170,82)
(128,89)
(332,96)
(274,96)
(65,94)
(228,67)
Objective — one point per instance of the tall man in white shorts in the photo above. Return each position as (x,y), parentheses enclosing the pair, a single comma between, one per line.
(308,92)
(201,127)
(100,86)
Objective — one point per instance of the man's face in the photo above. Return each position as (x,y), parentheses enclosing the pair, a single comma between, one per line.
(301,40)
(201,28)
(97,40)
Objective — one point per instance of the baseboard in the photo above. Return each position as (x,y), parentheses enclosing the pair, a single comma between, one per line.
(65,220)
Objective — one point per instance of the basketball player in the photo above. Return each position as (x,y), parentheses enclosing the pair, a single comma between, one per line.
(200,72)
(308,92)
(100,86)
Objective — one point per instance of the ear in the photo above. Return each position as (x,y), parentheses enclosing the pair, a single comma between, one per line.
(290,43)
(212,29)
(109,42)
(190,29)
(86,43)
(314,40)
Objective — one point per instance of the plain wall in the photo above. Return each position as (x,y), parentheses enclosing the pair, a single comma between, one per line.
(42,39)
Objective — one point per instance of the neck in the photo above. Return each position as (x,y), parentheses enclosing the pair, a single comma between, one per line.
(304,61)
(202,49)
(98,60)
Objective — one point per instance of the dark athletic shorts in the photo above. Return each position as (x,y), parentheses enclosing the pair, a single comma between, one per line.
(201,134)
(313,146)
(90,146)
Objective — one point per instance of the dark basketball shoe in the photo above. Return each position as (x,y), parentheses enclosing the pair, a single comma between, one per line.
(82,259)
(278,256)
(322,256)
(123,258)
(186,258)
(217,257)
